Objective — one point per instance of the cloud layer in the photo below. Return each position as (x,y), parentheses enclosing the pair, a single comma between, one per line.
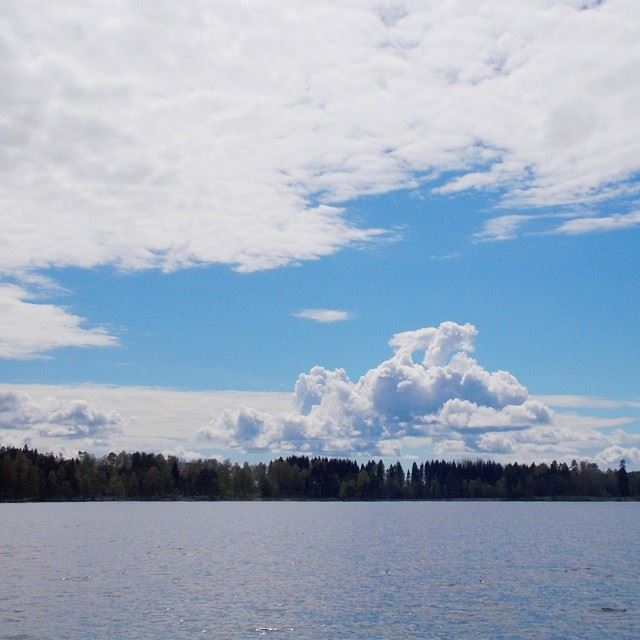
(160,135)
(164,135)
(100,419)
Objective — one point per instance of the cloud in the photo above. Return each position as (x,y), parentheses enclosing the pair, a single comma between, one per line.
(80,420)
(611,456)
(502,228)
(145,418)
(590,402)
(579,226)
(442,393)
(509,227)
(541,442)
(29,329)
(445,257)
(328,414)
(185,454)
(17,411)
(180,134)
(53,419)
(323,315)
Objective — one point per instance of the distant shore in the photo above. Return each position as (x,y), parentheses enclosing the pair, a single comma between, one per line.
(27,475)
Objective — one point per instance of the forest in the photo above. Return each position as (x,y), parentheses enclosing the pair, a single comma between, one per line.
(28,475)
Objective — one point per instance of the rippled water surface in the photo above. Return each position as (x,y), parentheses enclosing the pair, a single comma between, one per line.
(320,570)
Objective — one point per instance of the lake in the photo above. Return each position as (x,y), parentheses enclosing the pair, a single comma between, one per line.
(319,570)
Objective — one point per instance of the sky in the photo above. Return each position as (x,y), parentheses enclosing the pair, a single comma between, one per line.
(403,230)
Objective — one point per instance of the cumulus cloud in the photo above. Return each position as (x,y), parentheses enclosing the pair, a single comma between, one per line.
(17,411)
(30,328)
(323,315)
(53,419)
(80,420)
(161,135)
(611,456)
(440,392)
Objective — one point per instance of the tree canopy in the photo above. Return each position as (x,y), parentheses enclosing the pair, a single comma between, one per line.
(27,474)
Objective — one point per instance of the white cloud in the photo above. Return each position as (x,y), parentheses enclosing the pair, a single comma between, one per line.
(580,226)
(328,414)
(323,315)
(589,402)
(29,329)
(611,456)
(185,454)
(51,418)
(430,397)
(80,420)
(502,228)
(17,410)
(443,393)
(14,440)
(100,418)
(508,227)
(161,135)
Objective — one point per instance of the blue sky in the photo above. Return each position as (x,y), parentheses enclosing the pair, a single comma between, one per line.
(176,217)
(550,308)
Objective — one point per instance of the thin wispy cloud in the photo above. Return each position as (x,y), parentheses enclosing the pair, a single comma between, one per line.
(502,228)
(323,315)
(509,227)
(601,224)
(446,257)
(589,402)
(31,328)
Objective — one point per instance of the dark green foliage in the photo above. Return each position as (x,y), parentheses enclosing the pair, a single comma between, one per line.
(26,474)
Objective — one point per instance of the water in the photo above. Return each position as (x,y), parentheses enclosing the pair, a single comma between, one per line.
(320,570)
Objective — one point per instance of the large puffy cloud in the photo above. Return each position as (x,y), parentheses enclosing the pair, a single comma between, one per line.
(445,391)
(163,134)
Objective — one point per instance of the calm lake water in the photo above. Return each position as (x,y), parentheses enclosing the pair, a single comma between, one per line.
(320,570)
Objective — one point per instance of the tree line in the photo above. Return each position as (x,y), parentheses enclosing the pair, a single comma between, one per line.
(27,474)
